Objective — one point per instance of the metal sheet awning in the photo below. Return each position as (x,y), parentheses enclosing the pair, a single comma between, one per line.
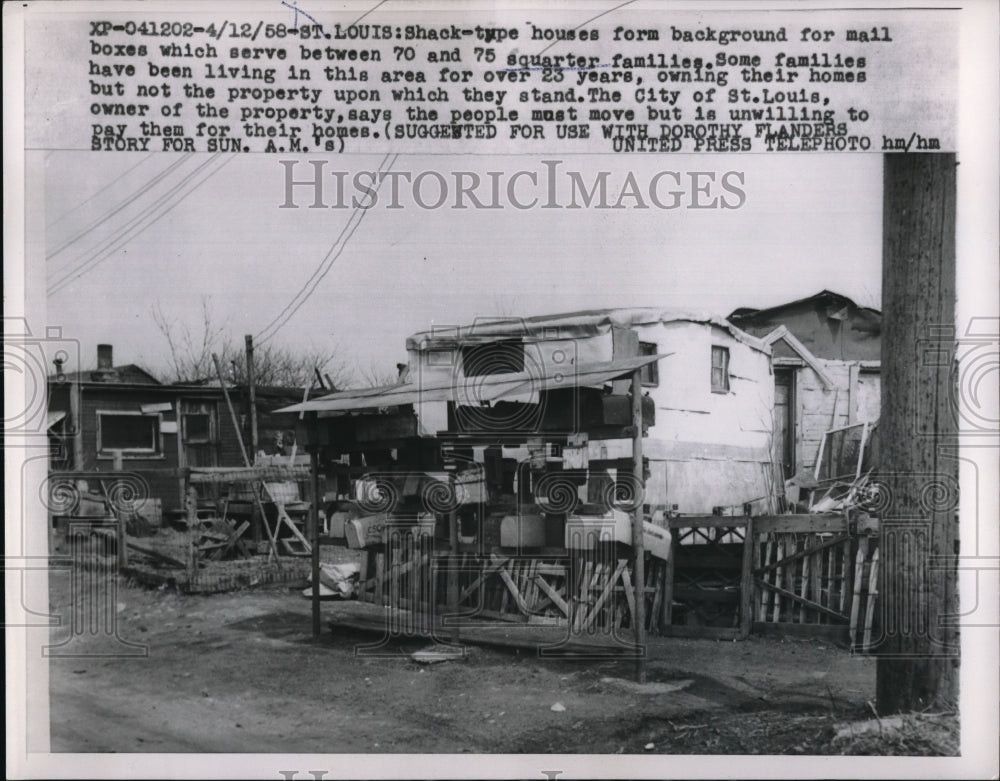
(477,390)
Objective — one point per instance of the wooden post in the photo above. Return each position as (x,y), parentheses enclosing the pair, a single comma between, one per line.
(252,392)
(76,413)
(639,617)
(453,564)
(243,452)
(746,581)
(918,660)
(667,614)
(314,519)
(118,465)
(182,482)
(255,519)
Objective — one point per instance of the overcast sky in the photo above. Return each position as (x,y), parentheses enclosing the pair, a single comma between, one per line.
(809,222)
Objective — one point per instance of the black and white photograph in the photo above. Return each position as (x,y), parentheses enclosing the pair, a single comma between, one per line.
(501,390)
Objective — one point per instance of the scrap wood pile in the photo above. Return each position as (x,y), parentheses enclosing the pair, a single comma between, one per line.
(213,558)
(271,491)
(221,538)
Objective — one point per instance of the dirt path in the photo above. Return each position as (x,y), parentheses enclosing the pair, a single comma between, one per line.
(240,672)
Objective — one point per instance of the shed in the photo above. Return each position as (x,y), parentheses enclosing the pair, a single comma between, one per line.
(827,370)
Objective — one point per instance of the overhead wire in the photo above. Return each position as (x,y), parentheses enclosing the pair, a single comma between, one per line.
(121,205)
(134,227)
(328,260)
(106,187)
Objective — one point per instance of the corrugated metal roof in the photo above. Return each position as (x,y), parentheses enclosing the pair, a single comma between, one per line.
(572,325)
(474,390)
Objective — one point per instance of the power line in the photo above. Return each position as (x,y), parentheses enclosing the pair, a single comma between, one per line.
(134,228)
(329,259)
(118,207)
(80,205)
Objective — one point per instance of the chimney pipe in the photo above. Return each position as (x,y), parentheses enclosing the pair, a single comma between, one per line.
(104,357)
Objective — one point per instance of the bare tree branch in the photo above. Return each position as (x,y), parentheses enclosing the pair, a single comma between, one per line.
(190,355)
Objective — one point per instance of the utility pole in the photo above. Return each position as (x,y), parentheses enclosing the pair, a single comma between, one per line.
(255,521)
(252,392)
(639,567)
(918,546)
(314,500)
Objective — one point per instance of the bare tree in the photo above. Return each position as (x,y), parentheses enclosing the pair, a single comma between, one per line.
(281,366)
(375,376)
(190,355)
(190,351)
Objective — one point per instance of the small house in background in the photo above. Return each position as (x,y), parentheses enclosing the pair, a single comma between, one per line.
(156,427)
(826,356)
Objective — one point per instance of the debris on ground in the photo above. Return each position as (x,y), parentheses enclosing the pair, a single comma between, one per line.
(336,580)
(911,734)
(650,687)
(558,707)
(437,653)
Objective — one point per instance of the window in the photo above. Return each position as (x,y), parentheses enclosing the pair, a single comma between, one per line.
(651,371)
(129,432)
(501,357)
(720,369)
(440,358)
(197,427)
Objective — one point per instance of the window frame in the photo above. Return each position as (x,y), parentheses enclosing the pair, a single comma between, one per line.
(646,349)
(156,451)
(724,351)
(209,438)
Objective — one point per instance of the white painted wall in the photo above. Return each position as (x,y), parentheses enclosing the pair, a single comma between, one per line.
(706,449)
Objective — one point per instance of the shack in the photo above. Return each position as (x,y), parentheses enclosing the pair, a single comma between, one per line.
(707,402)
(514,446)
(827,370)
(156,430)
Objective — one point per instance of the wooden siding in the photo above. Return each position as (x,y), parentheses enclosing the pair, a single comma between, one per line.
(819,409)
(114,398)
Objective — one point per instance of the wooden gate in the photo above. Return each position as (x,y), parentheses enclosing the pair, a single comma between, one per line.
(590,591)
(815,575)
(708,578)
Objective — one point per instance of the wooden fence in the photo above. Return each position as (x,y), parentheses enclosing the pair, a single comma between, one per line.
(804,575)
(591,591)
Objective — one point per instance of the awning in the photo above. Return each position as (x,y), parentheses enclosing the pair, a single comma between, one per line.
(477,390)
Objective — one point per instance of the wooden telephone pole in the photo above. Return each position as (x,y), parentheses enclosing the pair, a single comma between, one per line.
(918,651)
(255,521)
(252,394)
(638,532)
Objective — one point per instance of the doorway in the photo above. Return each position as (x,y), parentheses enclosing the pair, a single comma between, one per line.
(784,421)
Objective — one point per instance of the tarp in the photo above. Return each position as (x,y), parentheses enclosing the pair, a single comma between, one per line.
(572,325)
(474,390)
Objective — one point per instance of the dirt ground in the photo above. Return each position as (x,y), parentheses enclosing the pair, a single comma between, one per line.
(240,672)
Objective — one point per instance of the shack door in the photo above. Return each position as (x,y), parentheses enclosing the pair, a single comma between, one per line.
(784,421)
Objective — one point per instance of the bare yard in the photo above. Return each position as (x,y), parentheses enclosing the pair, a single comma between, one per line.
(241,672)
